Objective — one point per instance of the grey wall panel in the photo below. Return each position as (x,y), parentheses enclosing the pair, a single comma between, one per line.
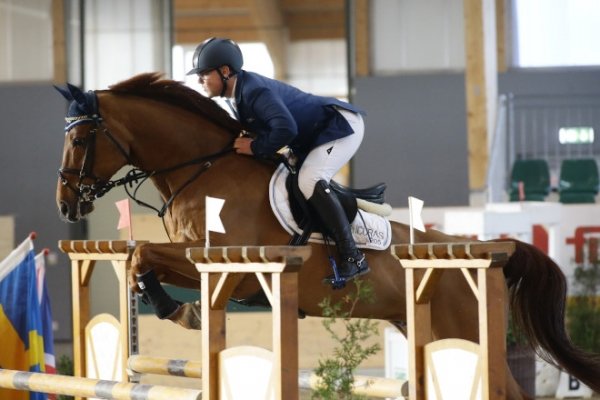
(548,82)
(415,138)
(31,128)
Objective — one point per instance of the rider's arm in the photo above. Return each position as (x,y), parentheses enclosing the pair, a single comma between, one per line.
(281,127)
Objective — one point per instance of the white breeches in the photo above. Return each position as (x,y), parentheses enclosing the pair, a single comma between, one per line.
(324,161)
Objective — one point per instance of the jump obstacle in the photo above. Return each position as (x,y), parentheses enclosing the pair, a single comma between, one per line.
(425,264)
(221,270)
(363,385)
(85,387)
(84,255)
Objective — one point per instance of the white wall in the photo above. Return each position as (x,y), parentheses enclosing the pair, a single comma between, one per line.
(319,67)
(123,38)
(412,35)
(25,40)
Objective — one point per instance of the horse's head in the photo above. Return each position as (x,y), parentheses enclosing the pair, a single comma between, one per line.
(83,175)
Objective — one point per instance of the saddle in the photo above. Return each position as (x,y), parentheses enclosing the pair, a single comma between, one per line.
(305,216)
(309,223)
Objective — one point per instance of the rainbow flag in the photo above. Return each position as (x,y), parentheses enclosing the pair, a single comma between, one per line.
(22,344)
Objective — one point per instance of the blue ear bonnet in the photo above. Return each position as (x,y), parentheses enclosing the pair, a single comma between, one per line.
(83,107)
(88,108)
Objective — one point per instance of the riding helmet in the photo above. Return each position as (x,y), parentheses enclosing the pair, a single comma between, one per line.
(215,52)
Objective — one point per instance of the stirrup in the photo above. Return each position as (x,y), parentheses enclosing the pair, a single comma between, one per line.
(336,281)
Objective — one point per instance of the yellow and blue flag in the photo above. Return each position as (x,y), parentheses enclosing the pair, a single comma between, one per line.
(22,345)
(45,312)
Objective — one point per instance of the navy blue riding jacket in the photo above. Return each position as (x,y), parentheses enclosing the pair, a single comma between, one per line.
(280,115)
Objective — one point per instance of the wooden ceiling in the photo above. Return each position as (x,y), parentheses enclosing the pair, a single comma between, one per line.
(258,20)
(273,22)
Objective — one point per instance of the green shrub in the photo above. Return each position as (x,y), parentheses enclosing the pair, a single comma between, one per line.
(583,309)
(64,366)
(337,372)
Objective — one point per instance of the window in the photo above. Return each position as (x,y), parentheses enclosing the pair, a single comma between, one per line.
(557,33)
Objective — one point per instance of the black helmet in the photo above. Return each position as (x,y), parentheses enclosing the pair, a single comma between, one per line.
(215,52)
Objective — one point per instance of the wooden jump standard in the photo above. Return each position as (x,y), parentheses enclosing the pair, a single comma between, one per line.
(425,264)
(85,387)
(422,257)
(276,268)
(83,255)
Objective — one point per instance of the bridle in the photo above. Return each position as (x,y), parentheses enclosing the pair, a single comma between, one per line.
(88,192)
(98,187)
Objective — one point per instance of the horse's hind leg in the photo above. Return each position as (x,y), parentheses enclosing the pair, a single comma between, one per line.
(156,263)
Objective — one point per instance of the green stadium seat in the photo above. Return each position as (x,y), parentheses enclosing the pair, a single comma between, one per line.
(578,181)
(535,176)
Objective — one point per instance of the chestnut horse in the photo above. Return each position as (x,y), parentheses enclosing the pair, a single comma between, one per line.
(182,141)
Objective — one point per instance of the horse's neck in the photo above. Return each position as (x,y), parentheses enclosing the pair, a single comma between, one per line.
(160,135)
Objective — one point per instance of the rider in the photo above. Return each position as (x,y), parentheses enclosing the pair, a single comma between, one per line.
(323,132)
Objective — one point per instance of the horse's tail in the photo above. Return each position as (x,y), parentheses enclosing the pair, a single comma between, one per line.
(537,290)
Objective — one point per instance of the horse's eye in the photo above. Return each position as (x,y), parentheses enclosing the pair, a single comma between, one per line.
(78,141)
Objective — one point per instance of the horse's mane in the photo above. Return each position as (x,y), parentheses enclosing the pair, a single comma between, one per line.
(151,85)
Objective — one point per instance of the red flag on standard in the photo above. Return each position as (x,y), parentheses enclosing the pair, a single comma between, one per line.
(124,216)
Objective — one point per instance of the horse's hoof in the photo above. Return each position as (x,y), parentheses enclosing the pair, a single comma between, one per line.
(189,316)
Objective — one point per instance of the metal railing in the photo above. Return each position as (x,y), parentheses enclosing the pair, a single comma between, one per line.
(527,127)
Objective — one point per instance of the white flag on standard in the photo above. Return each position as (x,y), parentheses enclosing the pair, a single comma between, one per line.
(415,206)
(213,208)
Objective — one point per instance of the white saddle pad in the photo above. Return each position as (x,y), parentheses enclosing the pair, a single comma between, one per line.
(370,231)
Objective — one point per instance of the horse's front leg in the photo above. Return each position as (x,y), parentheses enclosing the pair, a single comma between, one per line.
(154,263)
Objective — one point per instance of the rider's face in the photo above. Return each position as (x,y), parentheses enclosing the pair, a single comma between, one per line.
(211,82)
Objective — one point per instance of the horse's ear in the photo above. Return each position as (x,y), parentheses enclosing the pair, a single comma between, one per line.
(77,94)
(65,93)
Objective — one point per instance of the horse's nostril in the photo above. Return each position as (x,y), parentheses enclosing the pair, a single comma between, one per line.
(64,208)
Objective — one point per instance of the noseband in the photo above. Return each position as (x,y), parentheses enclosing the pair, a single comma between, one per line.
(88,192)
(98,187)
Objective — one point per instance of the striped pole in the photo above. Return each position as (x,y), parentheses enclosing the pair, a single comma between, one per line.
(370,386)
(363,385)
(85,387)
(165,366)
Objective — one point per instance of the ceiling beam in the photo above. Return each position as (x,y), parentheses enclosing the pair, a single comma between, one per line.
(314,5)
(194,37)
(187,5)
(324,24)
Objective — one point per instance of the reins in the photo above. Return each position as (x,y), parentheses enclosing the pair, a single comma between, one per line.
(97,189)
(134,175)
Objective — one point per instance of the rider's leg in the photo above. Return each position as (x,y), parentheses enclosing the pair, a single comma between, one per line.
(321,164)
(329,209)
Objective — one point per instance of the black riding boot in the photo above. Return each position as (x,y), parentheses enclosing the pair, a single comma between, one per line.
(352,261)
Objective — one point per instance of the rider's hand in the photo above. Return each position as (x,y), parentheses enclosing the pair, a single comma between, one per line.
(242,146)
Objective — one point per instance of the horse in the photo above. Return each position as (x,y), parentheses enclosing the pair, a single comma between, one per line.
(182,142)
